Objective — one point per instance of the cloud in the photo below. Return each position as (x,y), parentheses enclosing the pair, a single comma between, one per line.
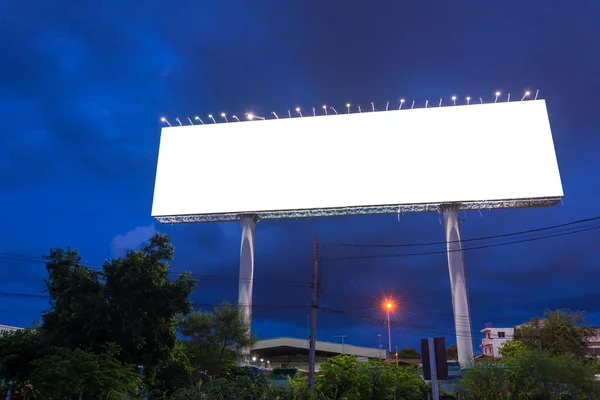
(131,240)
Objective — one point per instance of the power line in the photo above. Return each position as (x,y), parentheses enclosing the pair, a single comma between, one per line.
(581,221)
(464,249)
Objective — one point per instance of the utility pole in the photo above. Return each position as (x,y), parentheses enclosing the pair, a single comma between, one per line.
(380,346)
(313,316)
(539,340)
(342,336)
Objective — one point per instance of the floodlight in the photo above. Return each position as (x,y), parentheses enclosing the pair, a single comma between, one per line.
(497,95)
(401,102)
(238,120)
(189,119)
(163,119)
(373,106)
(527,93)
(468,99)
(178,121)
(275,114)
(299,111)
(348,107)
(224,117)
(454,99)
(197,118)
(211,117)
(334,110)
(325,109)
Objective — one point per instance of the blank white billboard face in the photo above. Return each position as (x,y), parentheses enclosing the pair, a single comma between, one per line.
(456,154)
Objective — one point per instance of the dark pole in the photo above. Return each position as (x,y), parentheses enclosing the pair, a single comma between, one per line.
(313,316)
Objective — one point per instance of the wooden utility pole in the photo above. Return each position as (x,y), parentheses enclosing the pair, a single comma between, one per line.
(313,316)
(541,348)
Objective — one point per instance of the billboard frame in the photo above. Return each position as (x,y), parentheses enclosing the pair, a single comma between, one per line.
(365,210)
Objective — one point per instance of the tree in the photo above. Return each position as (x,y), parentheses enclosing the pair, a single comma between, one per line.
(132,302)
(143,303)
(216,339)
(18,352)
(77,315)
(345,377)
(452,352)
(525,373)
(409,352)
(560,332)
(398,382)
(67,372)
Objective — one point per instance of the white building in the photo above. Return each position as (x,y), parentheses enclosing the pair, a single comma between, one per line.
(6,328)
(494,339)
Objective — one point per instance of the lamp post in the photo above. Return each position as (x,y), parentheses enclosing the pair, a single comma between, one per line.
(388,307)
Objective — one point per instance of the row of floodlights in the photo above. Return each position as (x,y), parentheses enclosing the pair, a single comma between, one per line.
(252,116)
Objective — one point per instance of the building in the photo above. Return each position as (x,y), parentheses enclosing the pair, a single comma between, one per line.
(494,339)
(290,352)
(7,328)
(594,344)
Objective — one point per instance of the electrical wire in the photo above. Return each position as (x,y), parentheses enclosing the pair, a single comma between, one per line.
(397,255)
(581,221)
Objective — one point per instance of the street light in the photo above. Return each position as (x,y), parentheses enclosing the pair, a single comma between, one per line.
(389,306)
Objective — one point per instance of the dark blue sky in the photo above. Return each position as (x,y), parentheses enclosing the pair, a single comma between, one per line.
(82,89)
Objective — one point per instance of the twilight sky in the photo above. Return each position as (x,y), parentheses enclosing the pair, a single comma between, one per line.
(82,89)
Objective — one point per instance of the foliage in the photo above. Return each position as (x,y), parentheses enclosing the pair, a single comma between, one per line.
(486,381)
(216,340)
(531,374)
(143,302)
(69,372)
(241,387)
(18,352)
(132,303)
(77,313)
(452,352)
(399,383)
(561,332)
(344,377)
(409,352)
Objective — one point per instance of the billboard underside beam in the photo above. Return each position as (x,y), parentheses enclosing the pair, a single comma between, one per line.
(366,210)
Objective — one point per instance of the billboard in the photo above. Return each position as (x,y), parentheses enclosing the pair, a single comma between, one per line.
(481,156)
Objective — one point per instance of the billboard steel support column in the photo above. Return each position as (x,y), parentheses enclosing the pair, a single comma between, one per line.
(246,278)
(458,284)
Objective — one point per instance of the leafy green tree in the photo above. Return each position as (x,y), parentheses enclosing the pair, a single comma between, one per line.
(525,373)
(486,381)
(344,377)
(560,332)
(397,382)
(67,373)
(143,302)
(132,302)
(216,340)
(452,352)
(409,352)
(77,315)
(18,352)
